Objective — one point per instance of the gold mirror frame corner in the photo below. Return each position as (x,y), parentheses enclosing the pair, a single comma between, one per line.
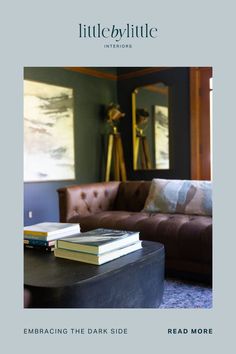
(135,140)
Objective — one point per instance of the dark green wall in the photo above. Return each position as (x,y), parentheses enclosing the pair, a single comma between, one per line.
(91,94)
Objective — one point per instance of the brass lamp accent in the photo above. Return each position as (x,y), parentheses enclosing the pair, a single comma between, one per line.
(114,146)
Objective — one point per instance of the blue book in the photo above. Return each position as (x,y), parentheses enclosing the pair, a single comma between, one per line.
(40,243)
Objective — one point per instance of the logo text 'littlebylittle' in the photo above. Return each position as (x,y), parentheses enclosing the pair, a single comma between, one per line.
(117,33)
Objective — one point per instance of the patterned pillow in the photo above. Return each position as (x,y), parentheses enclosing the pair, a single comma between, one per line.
(179,196)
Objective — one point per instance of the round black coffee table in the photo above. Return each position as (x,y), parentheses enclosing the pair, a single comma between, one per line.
(132,281)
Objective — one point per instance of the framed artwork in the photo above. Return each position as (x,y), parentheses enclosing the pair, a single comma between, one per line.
(48,132)
(161,137)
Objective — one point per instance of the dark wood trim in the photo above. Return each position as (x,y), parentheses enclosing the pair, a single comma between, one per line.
(142,72)
(194,123)
(114,77)
(93,72)
(200,122)
(205,134)
(156,89)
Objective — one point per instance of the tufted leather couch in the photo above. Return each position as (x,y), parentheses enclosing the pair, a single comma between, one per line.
(118,205)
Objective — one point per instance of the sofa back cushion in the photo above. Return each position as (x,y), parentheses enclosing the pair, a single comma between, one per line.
(132,195)
(180,196)
(86,199)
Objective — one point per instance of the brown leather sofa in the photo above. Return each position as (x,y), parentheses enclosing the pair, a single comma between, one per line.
(118,205)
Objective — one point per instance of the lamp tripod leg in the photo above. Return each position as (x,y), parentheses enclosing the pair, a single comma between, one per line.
(136,151)
(121,159)
(115,150)
(116,159)
(109,157)
(146,154)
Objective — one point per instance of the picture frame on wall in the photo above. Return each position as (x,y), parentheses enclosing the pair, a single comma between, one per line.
(48,132)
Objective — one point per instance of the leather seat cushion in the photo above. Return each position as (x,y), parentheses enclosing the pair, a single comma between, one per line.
(185,237)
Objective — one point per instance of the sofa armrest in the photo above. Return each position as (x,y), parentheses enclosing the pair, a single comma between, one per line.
(86,199)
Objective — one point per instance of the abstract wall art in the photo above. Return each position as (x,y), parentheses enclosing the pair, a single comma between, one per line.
(48,132)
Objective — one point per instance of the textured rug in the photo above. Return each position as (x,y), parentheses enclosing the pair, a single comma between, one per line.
(186,294)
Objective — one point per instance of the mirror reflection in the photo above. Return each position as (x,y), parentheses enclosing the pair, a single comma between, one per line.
(150,111)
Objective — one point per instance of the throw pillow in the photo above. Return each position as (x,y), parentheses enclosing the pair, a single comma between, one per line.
(179,196)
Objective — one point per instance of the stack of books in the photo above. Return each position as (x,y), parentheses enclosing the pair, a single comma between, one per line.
(43,236)
(98,246)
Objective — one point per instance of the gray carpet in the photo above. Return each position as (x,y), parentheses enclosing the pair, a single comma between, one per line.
(186,294)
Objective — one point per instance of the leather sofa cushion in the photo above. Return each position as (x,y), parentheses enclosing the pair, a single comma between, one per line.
(132,195)
(86,199)
(185,237)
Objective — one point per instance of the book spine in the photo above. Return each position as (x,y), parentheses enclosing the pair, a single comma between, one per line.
(35,233)
(38,242)
(65,232)
(34,237)
(40,248)
(48,237)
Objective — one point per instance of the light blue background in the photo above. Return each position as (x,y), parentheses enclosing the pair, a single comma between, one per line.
(44,34)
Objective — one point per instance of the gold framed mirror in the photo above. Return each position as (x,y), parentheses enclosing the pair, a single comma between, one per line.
(150,127)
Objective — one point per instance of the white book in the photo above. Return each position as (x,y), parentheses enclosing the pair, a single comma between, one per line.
(52,237)
(97,259)
(51,229)
(99,241)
